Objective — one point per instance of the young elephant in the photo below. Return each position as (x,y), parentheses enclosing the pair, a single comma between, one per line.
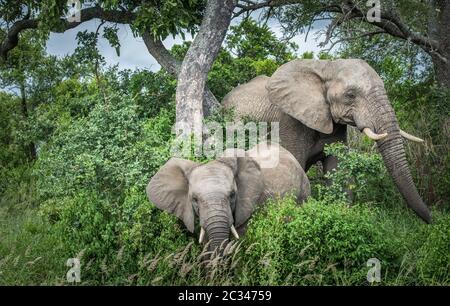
(224,192)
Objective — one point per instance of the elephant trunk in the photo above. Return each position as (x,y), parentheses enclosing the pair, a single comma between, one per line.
(393,153)
(218,231)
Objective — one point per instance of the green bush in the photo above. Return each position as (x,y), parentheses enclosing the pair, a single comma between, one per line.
(92,178)
(106,234)
(121,238)
(434,255)
(361,173)
(313,244)
(108,151)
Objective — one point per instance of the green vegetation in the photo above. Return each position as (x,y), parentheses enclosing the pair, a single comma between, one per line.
(101,134)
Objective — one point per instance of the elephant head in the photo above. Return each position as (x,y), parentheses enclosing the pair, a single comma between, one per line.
(222,193)
(321,93)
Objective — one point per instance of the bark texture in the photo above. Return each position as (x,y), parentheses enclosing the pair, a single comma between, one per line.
(439,30)
(196,65)
(31,147)
(173,66)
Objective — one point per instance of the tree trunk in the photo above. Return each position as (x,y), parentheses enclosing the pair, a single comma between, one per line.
(30,147)
(169,63)
(439,30)
(23,100)
(442,71)
(196,65)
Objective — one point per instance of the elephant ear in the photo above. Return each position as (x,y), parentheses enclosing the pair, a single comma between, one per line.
(298,89)
(249,183)
(168,190)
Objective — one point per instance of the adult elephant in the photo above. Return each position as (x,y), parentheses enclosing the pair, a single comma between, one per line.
(314,100)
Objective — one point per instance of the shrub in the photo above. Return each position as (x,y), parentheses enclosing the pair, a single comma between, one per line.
(363,174)
(123,239)
(312,244)
(434,257)
(108,151)
(100,230)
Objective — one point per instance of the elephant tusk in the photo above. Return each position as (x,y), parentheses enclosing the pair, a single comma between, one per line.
(234,232)
(202,235)
(410,137)
(372,135)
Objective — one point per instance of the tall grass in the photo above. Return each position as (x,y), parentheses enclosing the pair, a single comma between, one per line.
(301,249)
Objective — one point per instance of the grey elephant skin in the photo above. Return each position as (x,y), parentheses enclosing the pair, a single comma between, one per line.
(314,100)
(224,193)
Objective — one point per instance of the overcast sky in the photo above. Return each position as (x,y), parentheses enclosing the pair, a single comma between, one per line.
(134,54)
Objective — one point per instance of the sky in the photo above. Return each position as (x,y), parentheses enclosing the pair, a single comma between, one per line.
(134,54)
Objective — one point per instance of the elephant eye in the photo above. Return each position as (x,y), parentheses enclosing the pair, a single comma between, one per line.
(233,200)
(195,204)
(350,94)
(232,195)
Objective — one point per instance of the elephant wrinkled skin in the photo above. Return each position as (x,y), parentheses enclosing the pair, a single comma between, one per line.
(314,100)
(224,193)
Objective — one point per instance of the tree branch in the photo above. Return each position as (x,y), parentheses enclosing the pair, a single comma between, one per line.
(250,7)
(154,46)
(12,37)
(173,66)
(353,38)
(390,22)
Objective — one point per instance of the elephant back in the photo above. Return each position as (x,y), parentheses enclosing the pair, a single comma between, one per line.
(250,100)
(285,176)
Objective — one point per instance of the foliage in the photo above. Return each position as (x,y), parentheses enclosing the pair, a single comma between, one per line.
(300,18)
(100,229)
(102,133)
(434,262)
(10,124)
(314,244)
(110,33)
(29,253)
(95,152)
(151,91)
(363,175)
(423,109)
(251,49)
(87,51)
(252,40)
(160,17)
